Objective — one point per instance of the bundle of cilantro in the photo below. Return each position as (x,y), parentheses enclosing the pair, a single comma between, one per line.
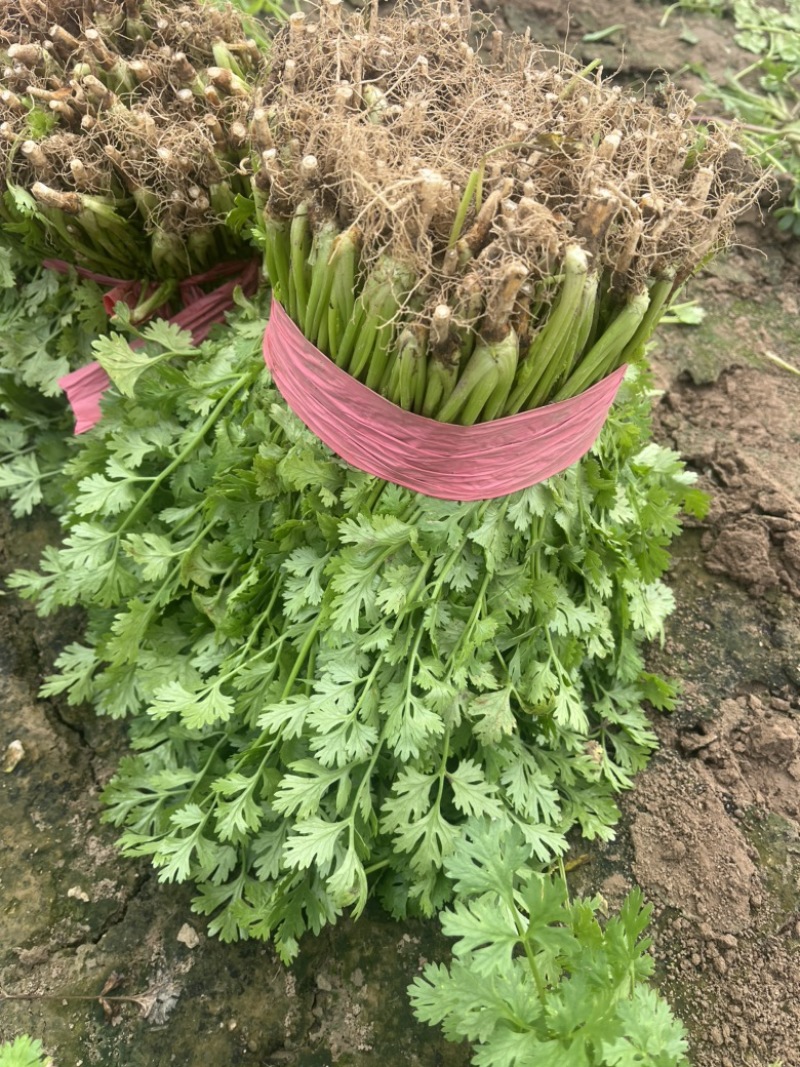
(47,324)
(326,675)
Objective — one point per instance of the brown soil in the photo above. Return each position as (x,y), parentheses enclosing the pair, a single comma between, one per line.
(715,824)
(743,436)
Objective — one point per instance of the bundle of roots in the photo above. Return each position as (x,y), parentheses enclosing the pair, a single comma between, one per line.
(122,130)
(509,222)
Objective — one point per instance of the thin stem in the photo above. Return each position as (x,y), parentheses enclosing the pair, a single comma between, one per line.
(184,454)
(311,637)
(530,955)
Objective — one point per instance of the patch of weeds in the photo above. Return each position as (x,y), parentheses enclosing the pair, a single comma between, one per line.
(538,977)
(764,97)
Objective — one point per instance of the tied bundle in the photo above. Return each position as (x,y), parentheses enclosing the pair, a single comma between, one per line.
(472,238)
(123,133)
(330,680)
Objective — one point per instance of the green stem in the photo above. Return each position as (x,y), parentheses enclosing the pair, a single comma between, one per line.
(522,933)
(443,766)
(299,236)
(321,279)
(561,326)
(470,190)
(187,450)
(480,374)
(661,294)
(606,351)
(305,648)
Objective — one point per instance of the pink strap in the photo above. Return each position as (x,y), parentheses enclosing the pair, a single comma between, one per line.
(434,458)
(85,386)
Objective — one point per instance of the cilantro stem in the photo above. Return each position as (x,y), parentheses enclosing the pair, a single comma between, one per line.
(206,766)
(287,689)
(376,866)
(249,752)
(186,451)
(563,873)
(191,514)
(453,558)
(6,456)
(375,497)
(305,648)
(530,955)
(46,475)
(367,776)
(240,658)
(466,633)
(536,557)
(182,553)
(443,765)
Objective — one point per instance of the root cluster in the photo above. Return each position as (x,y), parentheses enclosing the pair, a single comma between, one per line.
(141,102)
(399,126)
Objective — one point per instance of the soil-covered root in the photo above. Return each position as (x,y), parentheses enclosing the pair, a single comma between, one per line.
(142,104)
(451,167)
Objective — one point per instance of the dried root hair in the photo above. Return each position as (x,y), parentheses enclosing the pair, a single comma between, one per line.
(108,98)
(402,117)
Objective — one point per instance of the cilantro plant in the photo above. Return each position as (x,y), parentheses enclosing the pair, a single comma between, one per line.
(326,675)
(47,323)
(537,978)
(23,1052)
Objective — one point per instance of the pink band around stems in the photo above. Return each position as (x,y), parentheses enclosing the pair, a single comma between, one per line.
(440,460)
(84,387)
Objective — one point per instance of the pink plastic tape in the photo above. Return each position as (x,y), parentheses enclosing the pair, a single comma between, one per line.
(435,458)
(84,387)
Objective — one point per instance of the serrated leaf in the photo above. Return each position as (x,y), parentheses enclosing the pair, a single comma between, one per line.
(429,840)
(472,794)
(76,665)
(530,789)
(376,531)
(493,535)
(20,478)
(169,335)
(23,1051)
(300,793)
(348,885)
(98,494)
(195,708)
(484,932)
(569,710)
(410,722)
(124,365)
(153,552)
(492,716)
(653,1036)
(488,861)
(649,605)
(312,841)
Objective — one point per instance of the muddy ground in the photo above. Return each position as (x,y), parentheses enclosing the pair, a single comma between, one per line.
(712,832)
